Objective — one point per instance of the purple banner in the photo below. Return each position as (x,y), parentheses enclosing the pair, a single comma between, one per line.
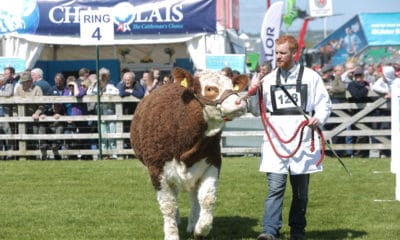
(61,17)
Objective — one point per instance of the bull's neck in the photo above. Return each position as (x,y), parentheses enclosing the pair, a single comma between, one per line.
(214,127)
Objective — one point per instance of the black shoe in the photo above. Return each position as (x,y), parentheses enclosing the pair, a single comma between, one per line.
(265,236)
(57,157)
(297,238)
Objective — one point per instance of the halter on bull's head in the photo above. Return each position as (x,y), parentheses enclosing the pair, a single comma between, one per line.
(217,94)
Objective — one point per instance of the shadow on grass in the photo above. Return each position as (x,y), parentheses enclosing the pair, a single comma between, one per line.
(226,228)
(336,234)
(236,227)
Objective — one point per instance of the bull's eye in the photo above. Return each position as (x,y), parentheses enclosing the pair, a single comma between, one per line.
(211,92)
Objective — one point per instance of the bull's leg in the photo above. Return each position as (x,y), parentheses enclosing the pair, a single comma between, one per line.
(194,210)
(207,198)
(167,199)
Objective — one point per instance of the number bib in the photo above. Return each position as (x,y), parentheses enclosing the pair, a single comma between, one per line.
(282,103)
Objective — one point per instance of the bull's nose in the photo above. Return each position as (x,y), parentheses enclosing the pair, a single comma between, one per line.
(238,101)
(241,103)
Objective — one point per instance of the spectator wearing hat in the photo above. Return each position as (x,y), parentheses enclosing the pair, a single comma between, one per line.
(27,90)
(383,86)
(333,84)
(359,89)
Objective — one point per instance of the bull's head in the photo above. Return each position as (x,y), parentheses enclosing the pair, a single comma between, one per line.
(217,94)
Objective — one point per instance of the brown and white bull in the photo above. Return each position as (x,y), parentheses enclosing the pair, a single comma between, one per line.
(176,133)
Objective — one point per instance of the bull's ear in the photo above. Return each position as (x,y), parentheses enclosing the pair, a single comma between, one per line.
(182,77)
(240,82)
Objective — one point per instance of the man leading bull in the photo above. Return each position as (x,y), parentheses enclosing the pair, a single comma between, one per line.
(299,105)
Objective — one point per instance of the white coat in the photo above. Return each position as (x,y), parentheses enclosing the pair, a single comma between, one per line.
(318,101)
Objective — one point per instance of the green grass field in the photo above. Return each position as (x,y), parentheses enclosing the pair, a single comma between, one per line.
(115,200)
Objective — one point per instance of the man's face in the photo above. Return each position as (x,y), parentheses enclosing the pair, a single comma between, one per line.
(284,57)
(327,75)
(59,82)
(264,70)
(146,79)
(350,67)
(359,77)
(156,74)
(128,80)
(7,74)
(339,70)
(26,85)
(35,76)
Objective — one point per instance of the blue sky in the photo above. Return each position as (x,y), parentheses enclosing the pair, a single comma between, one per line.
(252,13)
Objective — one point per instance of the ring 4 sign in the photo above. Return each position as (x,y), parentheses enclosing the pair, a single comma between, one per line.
(96,27)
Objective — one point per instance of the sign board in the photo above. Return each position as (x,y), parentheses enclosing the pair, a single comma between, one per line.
(381,29)
(218,61)
(97,27)
(62,17)
(320,8)
(17,63)
(345,42)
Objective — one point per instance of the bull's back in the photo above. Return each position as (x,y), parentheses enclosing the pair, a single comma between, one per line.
(165,125)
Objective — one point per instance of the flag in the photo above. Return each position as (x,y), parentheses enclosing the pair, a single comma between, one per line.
(291,13)
(301,42)
(270,29)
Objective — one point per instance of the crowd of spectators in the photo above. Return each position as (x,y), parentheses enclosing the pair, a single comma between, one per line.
(31,83)
(359,81)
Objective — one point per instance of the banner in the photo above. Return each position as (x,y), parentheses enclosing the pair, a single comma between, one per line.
(61,17)
(270,29)
(381,28)
(345,42)
(320,8)
(290,14)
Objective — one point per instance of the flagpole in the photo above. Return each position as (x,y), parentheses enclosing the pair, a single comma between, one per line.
(301,37)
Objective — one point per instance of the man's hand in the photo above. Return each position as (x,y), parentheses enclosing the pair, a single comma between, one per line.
(35,116)
(313,123)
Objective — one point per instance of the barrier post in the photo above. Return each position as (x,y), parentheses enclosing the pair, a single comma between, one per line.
(395,153)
